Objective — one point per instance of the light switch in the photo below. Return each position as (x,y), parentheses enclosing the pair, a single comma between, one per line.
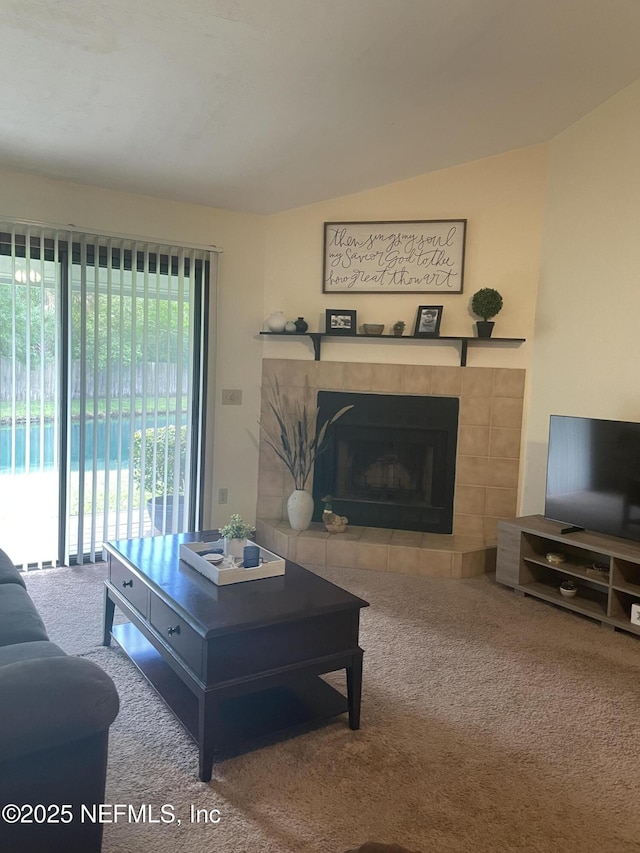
(231,397)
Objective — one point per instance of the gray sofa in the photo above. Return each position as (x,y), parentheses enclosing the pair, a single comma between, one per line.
(55,713)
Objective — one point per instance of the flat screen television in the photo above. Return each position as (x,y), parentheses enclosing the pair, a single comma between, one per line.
(593,475)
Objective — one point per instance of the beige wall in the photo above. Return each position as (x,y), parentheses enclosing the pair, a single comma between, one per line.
(234,462)
(587,341)
(586,351)
(276,262)
(503,200)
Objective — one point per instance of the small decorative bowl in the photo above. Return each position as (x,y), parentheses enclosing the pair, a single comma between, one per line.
(214,558)
(373,328)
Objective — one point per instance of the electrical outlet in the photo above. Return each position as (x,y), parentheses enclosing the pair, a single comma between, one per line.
(223,496)
(231,397)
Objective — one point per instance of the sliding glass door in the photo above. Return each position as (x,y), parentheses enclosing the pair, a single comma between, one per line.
(122,421)
(29,402)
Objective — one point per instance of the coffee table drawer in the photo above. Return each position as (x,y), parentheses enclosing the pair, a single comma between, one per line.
(129,586)
(177,634)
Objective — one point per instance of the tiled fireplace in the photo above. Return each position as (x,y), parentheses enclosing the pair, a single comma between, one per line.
(486,476)
(390,459)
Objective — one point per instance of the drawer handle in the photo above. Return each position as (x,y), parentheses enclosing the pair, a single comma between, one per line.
(127,583)
(172,631)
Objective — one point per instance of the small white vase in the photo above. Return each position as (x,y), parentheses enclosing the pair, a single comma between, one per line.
(235,547)
(300,509)
(276,321)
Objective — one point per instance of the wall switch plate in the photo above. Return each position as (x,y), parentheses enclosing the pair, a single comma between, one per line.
(231,397)
(223,496)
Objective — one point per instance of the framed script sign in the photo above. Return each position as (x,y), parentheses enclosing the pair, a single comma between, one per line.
(394,257)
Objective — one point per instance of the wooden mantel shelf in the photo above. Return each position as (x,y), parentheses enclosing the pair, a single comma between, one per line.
(317,337)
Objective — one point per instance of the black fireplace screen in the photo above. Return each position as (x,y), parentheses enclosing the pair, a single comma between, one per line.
(390,461)
(386,465)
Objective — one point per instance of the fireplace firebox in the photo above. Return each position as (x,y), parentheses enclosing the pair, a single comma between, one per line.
(390,461)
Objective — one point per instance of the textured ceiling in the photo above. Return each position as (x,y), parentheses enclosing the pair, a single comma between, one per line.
(264,105)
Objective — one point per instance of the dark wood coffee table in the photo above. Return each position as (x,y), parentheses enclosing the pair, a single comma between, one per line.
(234,663)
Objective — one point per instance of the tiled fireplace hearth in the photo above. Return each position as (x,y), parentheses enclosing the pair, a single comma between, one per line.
(486,481)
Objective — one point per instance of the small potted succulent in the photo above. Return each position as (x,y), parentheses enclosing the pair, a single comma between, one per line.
(486,303)
(398,328)
(568,588)
(235,535)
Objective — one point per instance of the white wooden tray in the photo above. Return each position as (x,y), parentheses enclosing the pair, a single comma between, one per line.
(230,571)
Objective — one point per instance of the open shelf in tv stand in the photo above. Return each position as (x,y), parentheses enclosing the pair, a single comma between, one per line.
(523,544)
(317,337)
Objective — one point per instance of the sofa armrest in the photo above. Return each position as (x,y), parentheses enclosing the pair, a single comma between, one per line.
(8,572)
(46,702)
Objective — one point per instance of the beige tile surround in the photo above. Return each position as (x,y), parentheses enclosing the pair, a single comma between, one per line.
(489,437)
(378,549)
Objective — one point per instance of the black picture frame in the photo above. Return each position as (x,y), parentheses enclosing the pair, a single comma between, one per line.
(340,322)
(428,321)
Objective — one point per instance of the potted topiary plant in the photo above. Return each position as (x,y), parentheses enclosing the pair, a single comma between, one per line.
(398,328)
(486,303)
(235,534)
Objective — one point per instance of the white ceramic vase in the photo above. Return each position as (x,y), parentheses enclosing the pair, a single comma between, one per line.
(235,547)
(300,509)
(276,321)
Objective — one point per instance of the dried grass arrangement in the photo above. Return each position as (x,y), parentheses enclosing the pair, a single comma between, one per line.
(297,442)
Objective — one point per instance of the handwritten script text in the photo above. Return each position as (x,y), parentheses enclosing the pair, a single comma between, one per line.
(426,256)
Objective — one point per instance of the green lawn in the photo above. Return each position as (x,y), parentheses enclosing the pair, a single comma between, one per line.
(129,405)
(101,496)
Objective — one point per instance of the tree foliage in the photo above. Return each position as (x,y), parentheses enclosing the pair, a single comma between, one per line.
(118,329)
(28,323)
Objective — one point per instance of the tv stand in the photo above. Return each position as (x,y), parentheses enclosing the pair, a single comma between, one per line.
(572,529)
(605,568)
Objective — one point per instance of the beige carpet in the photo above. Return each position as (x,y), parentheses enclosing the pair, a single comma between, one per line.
(490,723)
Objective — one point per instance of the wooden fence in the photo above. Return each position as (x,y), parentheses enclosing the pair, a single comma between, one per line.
(147,379)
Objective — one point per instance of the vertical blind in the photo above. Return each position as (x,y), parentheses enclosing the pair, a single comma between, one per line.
(101,385)
(29,391)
